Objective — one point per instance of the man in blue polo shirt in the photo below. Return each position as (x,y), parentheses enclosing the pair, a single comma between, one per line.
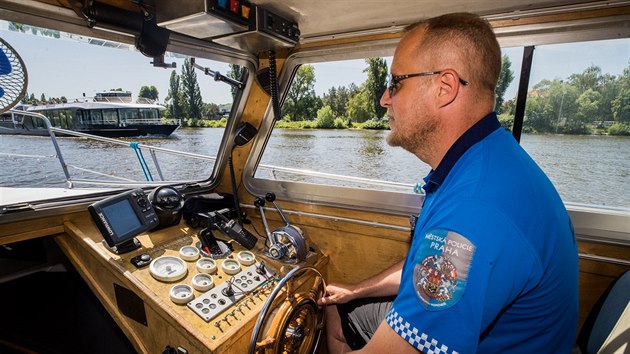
(492,267)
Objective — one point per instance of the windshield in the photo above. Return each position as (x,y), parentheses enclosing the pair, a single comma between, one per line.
(575,127)
(109,89)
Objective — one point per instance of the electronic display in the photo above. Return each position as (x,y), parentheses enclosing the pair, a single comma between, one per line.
(126,219)
(121,217)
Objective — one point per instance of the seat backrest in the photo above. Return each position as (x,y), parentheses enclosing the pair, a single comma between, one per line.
(607,327)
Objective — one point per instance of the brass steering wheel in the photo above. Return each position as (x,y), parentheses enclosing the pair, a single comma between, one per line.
(296,323)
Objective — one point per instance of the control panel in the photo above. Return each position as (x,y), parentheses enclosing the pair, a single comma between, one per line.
(211,273)
(276,25)
(245,282)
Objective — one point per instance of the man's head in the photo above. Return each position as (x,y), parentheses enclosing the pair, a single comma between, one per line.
(445,71)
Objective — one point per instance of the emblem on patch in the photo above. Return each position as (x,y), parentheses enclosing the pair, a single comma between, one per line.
(441,270)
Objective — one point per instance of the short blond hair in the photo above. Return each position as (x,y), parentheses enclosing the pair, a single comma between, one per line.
(467,37)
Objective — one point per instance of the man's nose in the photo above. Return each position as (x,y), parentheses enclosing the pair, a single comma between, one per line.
(385,99)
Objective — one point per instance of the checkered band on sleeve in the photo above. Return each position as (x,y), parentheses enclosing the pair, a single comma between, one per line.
(421,341)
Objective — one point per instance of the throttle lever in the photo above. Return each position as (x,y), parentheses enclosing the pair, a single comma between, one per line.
(271,197)
(260,203)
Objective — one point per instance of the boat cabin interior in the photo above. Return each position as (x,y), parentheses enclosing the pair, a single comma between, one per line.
(233,258)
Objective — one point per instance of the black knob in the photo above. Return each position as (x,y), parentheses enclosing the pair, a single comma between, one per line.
(142,201)
(228,291)
(270,197)
(259,202)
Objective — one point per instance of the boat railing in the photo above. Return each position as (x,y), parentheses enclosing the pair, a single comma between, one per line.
(113,99)
(272,171)
(152,121)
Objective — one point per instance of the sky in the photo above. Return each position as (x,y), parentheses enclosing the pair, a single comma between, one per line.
(71,68)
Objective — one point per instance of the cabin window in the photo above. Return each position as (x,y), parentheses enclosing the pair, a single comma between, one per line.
(149,113)
(330,133)
(128,115)
(191,119)
(83,116)
(577,120)
(110,116)
(333,130)
(96,116)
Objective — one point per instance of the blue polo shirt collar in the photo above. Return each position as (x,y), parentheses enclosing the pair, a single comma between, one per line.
(476,133)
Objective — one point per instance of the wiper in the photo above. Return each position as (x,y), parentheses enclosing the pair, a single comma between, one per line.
(218,76)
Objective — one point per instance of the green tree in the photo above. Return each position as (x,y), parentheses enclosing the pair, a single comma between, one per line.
(301,102)
(235,72)
(191,93)
(337,99)
(210,111)
(621,103)
(148,92)
(621,106)
(360,107)
(376,84)
(609,88)
(505,79)
(325,118)
(590,78)
(588,107)
(537,115)
(174,96)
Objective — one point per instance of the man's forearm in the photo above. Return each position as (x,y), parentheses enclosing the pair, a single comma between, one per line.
(385,283)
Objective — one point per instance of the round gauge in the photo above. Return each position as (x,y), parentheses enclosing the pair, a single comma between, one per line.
(168,268)
(206,265)
(181,294)
(202,282)
(230,266)
(189,253)
(246,258)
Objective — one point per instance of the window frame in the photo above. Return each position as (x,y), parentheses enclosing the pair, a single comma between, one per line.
(374,200)
(371,200)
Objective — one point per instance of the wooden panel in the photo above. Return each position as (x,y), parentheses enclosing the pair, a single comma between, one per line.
(596,276)
(565,16)
(34,228)
(167,323)
(356,251)
(101,272)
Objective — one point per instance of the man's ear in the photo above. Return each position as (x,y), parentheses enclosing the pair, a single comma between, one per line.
(449,87)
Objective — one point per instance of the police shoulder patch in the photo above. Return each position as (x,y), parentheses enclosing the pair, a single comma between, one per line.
(442,263)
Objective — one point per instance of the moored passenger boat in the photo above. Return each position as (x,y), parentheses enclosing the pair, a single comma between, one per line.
(108,119)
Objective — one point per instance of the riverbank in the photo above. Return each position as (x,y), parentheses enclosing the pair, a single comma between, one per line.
(371,124)
(617,129)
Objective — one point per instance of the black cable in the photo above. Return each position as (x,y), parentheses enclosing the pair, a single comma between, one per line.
(273,85)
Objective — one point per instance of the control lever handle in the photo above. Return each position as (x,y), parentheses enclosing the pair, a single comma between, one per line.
(260,203)
(271,197)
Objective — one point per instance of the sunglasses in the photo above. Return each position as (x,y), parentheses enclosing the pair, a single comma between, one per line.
(394,80)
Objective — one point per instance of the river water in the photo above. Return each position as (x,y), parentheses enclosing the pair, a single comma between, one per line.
(585,169)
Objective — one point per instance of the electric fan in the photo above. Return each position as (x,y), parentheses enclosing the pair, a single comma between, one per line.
(13,77)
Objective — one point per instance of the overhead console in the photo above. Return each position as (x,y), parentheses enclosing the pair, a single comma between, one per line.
(234,23)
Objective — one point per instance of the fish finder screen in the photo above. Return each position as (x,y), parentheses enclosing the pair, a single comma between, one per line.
(122,218)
